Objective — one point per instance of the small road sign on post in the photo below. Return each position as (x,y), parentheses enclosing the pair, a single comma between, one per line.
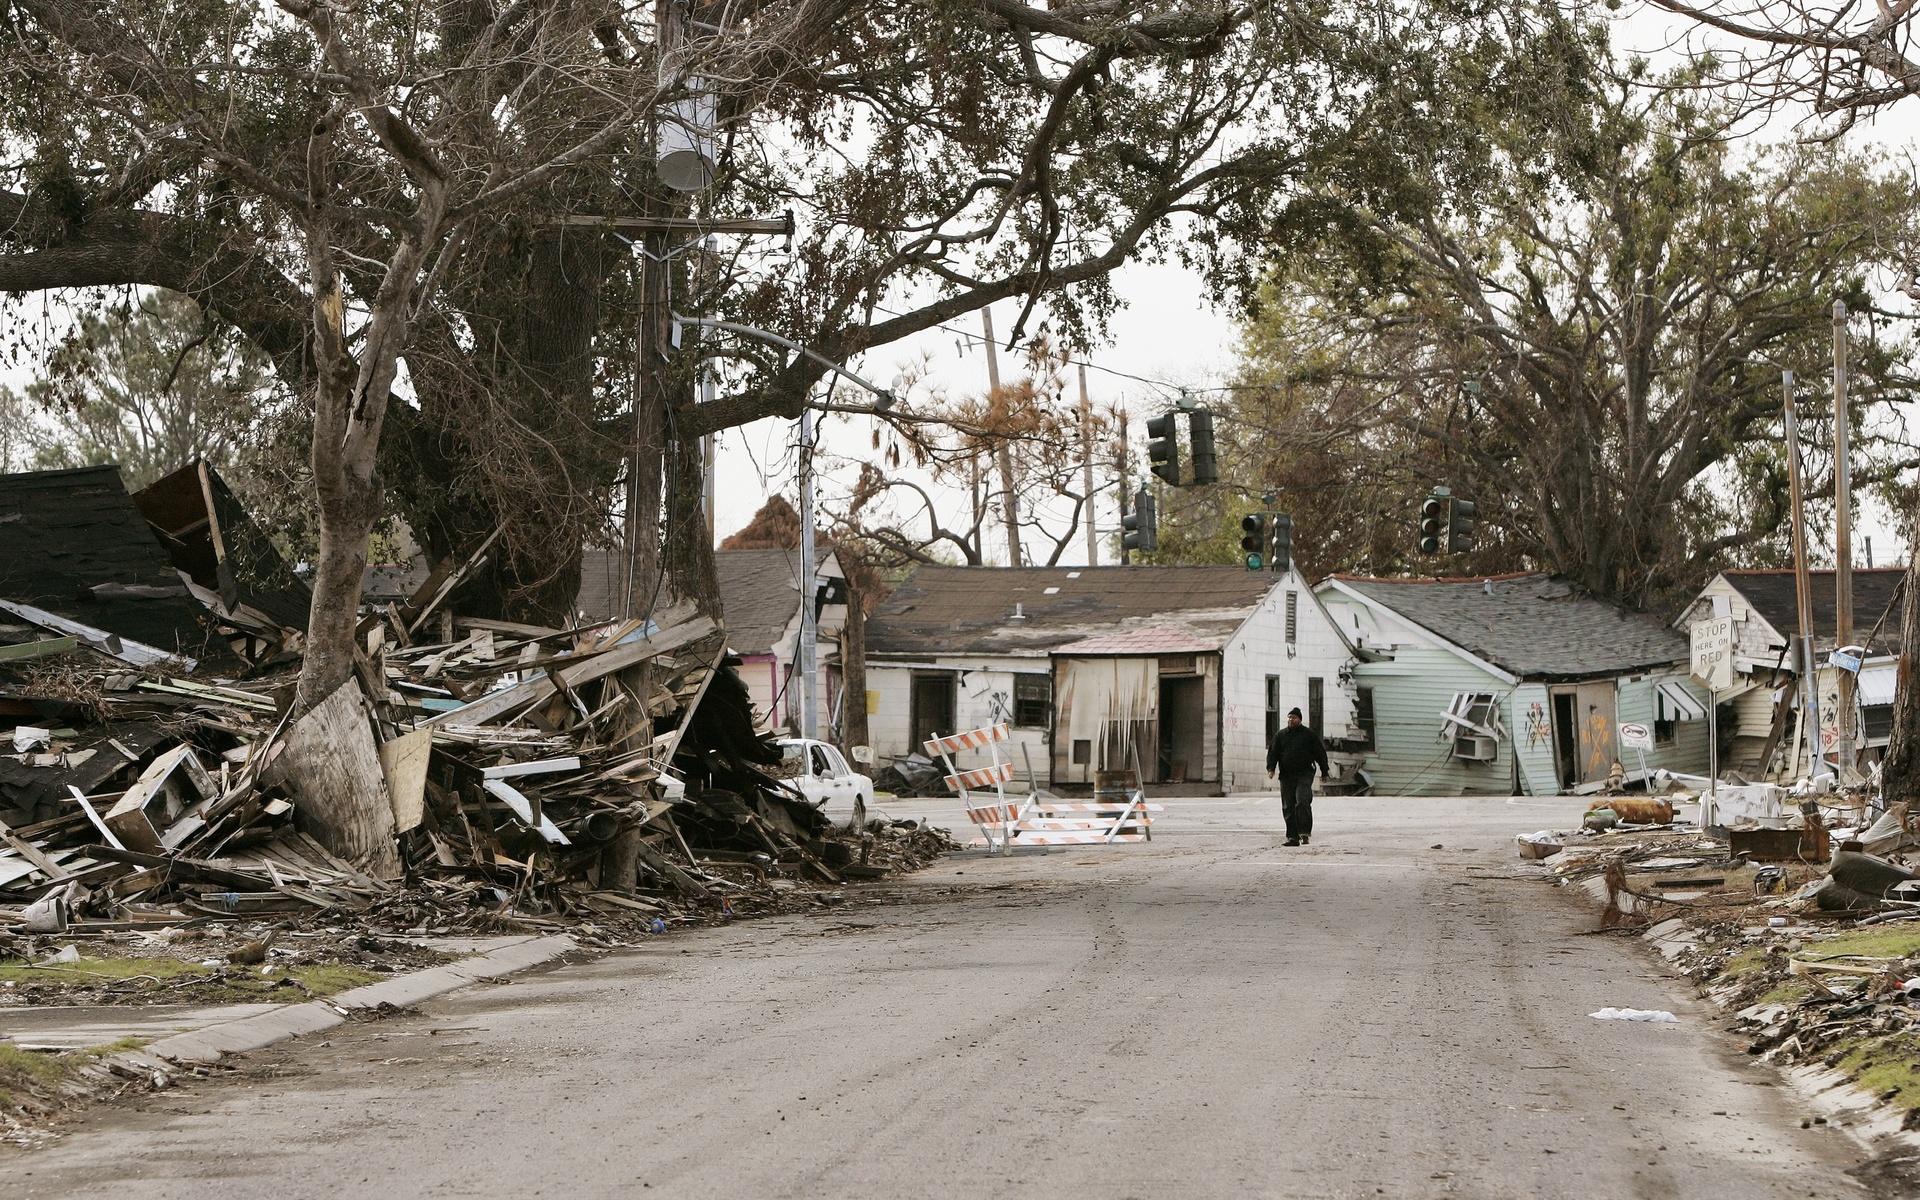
(1638,736)
(1713,666)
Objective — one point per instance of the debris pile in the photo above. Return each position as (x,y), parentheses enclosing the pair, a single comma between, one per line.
(470,775)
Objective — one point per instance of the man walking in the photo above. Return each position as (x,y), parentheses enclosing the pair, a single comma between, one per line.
(1296,750)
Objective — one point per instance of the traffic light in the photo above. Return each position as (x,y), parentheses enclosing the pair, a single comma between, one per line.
(1254,539)
(1206,468)
(1140,528)
(1433,522)
(1162,451)
(1462,516)
(1282,526)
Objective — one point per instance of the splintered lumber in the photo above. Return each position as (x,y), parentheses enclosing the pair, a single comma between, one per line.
(330,765)
(542,767)
(584,670)
(130,818)
(404,761)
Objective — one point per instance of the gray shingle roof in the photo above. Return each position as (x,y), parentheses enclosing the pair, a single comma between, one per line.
(970,610)
(1876,594)
(759,592)
(1532,626)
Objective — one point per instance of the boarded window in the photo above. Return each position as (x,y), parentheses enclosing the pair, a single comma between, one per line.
(1293,617)
(1273,708)
(1082,751)
(1032,701)
(1363,716)
(1316,703)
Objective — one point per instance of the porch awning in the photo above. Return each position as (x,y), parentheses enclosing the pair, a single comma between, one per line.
(1877,684)
(1676,703)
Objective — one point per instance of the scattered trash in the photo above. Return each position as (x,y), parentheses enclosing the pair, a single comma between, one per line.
(1655,1016)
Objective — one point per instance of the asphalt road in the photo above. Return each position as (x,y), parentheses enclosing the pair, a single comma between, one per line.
(1210,1015)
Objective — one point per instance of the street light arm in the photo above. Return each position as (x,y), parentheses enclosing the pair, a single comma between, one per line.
(886,397)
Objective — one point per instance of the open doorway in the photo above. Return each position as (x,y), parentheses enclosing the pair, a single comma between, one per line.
(931,713)
(1566,766)
(1182,741)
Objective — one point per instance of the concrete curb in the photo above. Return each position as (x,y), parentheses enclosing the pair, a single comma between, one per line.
(295,1020)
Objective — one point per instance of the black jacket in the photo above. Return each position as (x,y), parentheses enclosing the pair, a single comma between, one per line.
(1295,751)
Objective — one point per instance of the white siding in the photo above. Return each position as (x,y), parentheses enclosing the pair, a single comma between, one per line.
(1259,649)
(983,696)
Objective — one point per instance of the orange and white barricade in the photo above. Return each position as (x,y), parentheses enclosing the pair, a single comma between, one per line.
(1036,819)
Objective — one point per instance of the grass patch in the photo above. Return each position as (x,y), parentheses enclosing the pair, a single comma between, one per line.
(1787,992)
(1870,943)
(170,980)
(28,1076)
(1888,1068)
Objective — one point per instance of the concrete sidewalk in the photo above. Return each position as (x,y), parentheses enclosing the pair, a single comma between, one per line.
(187,1033)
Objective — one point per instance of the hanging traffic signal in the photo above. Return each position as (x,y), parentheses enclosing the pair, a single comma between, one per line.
(1282,525)
(1433,522)
(1140,528)
(1254,540)
(1462,516)
(1206,467)
(1162,451)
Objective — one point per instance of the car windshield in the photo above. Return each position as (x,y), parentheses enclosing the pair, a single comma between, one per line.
(793,754)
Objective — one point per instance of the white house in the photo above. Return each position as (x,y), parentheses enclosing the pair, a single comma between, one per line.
(1185,672)
(1764,734)
(1511,684)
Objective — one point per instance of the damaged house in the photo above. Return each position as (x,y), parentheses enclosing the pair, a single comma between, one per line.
(1185,672)
(760,599)
(1763,735)
(1513,684)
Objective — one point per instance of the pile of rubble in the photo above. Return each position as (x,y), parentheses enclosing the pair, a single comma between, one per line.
(471,775)
(1800,916)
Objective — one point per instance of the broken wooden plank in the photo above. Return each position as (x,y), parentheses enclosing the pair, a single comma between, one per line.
(404,762)
(544,766)
(39,649)
(331,766)
(128,651)
(532,691)
(32,853)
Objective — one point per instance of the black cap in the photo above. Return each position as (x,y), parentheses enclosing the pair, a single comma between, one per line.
(1293,712)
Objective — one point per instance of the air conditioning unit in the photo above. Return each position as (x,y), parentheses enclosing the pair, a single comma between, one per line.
(1476,748)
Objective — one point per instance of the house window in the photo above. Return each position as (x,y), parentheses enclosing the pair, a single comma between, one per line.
(1663,732)
(1082,751)
(1316,703)
(1273,708)
(1032,701)
(1363,716)
(1293,617)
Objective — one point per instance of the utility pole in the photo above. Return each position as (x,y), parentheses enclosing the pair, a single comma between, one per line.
(1843,720)
(1003,450)
(1125,490)
(1086,464)
(809,718)
(1802,585)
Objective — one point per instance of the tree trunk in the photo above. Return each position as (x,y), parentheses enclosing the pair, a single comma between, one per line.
(688,552)
(349,505)
(1900,776)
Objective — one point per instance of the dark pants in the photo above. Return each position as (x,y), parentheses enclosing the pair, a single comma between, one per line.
(1296,804)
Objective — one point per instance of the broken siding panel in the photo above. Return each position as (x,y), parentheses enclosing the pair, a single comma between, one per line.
(1412,757)
(1530,717)
(1111,707)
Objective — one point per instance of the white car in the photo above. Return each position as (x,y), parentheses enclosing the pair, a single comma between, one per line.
(822,776)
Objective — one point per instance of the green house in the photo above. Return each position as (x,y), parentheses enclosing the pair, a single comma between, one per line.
(1512,685)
